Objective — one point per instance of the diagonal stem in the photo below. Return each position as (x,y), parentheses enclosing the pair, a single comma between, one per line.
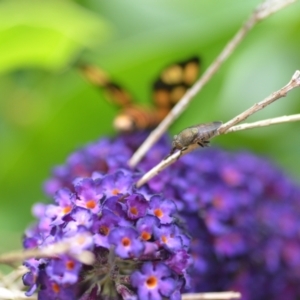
(264,10)
(229,126)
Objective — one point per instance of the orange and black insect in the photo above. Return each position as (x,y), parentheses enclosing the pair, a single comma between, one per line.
(168,89)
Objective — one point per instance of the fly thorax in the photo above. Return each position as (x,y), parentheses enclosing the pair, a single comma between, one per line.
(187,136)
(195,131)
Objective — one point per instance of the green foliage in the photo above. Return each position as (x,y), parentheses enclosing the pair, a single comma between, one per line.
(47,109)
(46,34)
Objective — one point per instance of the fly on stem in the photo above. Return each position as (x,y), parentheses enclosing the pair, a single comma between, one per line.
(198,134)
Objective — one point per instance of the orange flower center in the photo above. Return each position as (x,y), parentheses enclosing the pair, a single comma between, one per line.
(126,242)
(55,287)
(145,236)
(164,238)
(104,230)
(134,210)
(66,210)
(91,204)
(115,192)
(70,265)
(151,282)
(158,212)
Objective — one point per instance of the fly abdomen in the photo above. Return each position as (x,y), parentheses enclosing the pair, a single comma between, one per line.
(208,130)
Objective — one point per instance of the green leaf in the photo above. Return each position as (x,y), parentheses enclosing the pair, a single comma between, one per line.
(47,34)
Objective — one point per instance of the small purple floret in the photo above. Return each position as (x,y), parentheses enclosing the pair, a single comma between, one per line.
(154,281)
(126,242)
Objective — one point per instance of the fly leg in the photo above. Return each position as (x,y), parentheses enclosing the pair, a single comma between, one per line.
(171,152)
(181,151)
(203,144)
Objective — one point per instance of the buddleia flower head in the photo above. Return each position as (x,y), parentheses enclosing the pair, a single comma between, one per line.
(133,234)
(241,211)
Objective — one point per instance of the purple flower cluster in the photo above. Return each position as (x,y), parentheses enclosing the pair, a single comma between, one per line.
(140,250)
(249,215)
(104,156)
(242,213)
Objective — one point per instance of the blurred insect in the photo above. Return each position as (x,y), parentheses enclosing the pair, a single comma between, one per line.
(198,134)
(168,89)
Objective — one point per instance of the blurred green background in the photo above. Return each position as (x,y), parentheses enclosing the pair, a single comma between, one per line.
(47,109)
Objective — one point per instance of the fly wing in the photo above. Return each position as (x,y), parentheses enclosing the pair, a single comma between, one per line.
(208,130)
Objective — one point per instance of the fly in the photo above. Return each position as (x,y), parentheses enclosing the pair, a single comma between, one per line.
(198,134)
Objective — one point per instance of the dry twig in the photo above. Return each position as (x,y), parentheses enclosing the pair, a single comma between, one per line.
(264,10)
(267,122)
(228,127)
(11,285)
(212,296)
(294,82)
(64,247)
(14,294)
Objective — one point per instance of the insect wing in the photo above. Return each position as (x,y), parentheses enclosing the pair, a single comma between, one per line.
(168,89)
(174,81)
(118,95)
(207,130)
(115,93)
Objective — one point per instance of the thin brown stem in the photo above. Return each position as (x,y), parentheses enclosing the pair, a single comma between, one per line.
(294,82)
(264,10)
(267,122)
(64,247)
(226,128)
(212,296)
